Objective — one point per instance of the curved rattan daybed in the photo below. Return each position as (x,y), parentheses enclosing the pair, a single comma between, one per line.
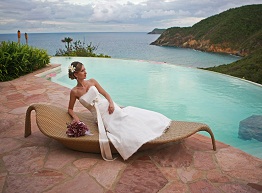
(52,120)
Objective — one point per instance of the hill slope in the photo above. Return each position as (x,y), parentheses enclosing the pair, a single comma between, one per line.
(249,68)
(237,31)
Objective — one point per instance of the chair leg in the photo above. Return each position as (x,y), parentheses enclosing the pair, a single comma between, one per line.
(28,121)
(213,139)
(207,129)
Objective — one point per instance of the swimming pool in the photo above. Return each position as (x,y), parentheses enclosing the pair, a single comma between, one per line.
(180,93)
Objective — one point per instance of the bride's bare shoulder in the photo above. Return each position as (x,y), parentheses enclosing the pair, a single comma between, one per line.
(74,90)
(91,81)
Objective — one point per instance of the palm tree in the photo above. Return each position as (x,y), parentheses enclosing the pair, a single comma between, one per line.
(67,40)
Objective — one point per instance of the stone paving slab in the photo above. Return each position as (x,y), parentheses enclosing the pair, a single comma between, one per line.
(40,164)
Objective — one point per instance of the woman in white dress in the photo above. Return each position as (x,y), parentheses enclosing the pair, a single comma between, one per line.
(126,128)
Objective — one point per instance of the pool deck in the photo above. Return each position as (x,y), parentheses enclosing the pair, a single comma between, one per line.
(40,164)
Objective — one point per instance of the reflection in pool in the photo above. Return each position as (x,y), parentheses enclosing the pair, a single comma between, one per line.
(181,93)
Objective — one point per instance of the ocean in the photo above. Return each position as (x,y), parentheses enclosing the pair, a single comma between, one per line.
(126,45)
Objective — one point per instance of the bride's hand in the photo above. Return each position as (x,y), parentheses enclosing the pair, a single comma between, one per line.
(76,120)
(111,108)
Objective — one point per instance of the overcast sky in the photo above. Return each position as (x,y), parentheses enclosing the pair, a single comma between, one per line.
(107,16)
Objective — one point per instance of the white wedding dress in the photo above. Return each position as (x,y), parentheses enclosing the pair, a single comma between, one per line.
(127,128)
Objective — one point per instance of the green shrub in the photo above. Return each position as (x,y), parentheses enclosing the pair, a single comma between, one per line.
(249,67)
(78,49)
(17,60)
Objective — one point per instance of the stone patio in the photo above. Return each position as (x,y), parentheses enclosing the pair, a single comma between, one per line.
(40,164)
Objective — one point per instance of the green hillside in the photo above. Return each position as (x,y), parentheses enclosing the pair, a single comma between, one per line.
(249,68)
(239,28)
(236,31)
(157,31)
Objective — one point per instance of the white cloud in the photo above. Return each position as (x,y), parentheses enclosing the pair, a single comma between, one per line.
(85,2)
(111,15)
(157,13)
(112,12)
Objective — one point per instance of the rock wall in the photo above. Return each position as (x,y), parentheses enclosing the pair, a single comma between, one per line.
(251,127)
(203,45)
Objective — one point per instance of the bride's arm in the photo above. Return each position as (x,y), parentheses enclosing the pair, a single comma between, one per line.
(102,91)
(71,105)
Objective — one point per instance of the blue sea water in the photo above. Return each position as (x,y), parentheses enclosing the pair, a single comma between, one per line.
(126,45)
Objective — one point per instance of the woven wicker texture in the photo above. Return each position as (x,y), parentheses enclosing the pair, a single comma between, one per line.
(52,120)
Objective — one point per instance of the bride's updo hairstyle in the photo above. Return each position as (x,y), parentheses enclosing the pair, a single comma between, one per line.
(74,68)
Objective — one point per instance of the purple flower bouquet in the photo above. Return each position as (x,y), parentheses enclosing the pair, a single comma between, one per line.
(77,129)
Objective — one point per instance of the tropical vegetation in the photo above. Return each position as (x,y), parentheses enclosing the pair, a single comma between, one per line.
(17,60)
(67,40)
(78,48)
(249,68)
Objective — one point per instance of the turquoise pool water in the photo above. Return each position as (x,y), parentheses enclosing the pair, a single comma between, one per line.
(180,93)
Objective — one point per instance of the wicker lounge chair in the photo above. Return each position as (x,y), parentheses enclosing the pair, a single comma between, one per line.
(52,120)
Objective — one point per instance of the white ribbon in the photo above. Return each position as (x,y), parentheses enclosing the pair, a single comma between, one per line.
(103,140)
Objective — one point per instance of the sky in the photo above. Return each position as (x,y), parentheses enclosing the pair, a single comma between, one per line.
(41,16)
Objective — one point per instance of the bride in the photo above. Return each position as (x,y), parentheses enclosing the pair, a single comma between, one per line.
(126,128)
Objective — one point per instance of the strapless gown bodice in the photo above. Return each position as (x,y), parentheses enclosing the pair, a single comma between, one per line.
(127,128)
